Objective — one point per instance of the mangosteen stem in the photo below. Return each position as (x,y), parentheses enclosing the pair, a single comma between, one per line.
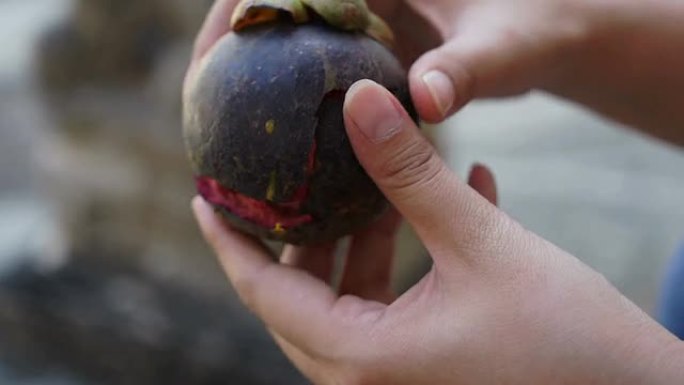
(347,15)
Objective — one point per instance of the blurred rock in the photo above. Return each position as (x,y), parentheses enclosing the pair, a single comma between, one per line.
(28,234)
(107,42)
(115,326)
(115,169)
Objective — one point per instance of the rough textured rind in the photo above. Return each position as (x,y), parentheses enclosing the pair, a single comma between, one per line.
(259,103)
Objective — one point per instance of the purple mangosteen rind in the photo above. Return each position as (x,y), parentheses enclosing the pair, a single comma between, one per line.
(267,101)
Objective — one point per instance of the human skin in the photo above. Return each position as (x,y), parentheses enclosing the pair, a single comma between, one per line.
(620,58)
(501,305)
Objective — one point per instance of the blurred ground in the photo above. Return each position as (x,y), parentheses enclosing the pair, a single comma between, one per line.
(20,114)
(25,224)
(609,196)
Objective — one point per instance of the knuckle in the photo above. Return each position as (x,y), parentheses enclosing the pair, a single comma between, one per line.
(412,167)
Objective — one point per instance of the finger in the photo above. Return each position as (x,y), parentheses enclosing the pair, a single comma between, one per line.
(216,24)
(445,212)
(368,270)
(482,180)
(308,366)
(317,260)
(297,306)
(416,33)
(477,63)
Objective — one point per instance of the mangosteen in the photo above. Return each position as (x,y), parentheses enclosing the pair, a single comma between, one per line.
(263,120)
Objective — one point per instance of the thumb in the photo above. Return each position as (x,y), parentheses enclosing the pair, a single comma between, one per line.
(472,65)
(410,173)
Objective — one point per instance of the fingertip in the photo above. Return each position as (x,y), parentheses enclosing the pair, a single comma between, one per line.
(482,180)
(480,172)
(433,95)
(204,214)
(440,84)
(206,217)
(355,100)
(210,225)
(216,24)
(372,111)
(225,240)
(423,103)
(198,204)
(359,97)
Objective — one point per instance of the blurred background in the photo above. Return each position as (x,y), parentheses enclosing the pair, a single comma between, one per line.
(103,276)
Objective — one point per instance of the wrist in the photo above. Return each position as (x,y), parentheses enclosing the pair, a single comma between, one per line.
(629,347)
(668,366)
(655,357)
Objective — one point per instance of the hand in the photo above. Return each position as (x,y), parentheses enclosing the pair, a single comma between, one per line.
(500,305)
(619,58)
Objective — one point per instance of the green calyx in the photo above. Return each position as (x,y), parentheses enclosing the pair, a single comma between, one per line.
(348,15)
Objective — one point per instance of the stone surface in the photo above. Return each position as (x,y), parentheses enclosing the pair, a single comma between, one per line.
(106,42)
(113,326)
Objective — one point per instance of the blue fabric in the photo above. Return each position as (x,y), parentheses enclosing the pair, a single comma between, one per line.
(671,307)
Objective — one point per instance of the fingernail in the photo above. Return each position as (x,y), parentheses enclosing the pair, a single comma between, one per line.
(370,108)
(441,89)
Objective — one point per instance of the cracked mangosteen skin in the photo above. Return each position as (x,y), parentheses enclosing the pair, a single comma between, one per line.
(260,101)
